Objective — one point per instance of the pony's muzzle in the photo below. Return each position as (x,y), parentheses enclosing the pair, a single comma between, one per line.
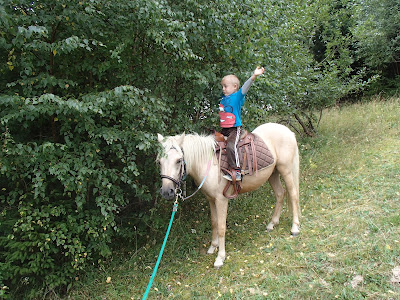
(167,193)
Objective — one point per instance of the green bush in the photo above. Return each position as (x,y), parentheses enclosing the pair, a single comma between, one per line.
(67,167)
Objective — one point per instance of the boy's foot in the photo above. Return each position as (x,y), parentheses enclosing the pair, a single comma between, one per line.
(229,176)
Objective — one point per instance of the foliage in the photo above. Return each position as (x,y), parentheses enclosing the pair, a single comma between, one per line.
(190,47)
(49,47)
(317,68)
(62,187)
(306,49)
(86,85)
(377,31)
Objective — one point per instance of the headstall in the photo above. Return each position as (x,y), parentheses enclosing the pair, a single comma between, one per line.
(182,172)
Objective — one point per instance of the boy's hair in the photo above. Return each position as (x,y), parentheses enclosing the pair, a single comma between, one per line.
(232,79)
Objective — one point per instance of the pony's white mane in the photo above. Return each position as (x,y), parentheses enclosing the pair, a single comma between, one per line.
(197,149)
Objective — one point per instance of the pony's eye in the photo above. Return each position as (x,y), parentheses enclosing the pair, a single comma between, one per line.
(179,161)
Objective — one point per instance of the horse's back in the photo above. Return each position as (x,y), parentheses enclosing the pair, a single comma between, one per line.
(279,138)
(276,132)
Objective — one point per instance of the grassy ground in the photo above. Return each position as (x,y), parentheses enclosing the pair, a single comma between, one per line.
(349,244)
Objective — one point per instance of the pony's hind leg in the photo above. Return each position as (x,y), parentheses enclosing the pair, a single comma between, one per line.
(292,189)
(279,192)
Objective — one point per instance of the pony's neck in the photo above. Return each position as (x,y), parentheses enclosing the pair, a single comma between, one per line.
(198,150)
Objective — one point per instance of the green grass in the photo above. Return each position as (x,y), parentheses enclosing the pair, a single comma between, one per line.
(350,227)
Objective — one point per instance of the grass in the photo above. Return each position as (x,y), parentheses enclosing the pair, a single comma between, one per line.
(350,228)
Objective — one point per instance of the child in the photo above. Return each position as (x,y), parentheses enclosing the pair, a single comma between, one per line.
(229,112)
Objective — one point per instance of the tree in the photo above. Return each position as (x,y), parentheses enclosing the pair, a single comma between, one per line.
(307,47)
(377,35)
(72,158)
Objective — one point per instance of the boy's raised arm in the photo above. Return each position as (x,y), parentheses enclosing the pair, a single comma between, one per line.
(246,86)
(258,71)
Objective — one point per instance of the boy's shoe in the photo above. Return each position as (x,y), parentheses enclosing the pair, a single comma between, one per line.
(229,176)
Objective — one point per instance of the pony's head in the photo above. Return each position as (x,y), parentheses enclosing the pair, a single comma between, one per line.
(172,164)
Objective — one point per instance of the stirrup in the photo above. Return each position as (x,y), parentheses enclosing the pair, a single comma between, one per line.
(229,176)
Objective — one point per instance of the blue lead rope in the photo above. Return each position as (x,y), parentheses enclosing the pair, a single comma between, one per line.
(175,208)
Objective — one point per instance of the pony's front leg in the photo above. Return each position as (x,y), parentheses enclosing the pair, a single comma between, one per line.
(221,206)
(214,227)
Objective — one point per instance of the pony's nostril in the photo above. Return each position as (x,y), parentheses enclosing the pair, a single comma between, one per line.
(167,193)
(170,193)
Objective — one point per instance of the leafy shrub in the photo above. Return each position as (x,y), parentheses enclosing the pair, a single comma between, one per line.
(67,167)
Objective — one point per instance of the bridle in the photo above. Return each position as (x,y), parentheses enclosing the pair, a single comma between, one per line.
(182,177)
(182,172)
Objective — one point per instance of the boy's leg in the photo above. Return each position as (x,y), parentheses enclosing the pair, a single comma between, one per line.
(230,148)
(235,147)
(232,152)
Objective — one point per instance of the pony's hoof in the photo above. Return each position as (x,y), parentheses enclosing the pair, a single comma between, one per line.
(219,262)
(211,250)
(270,227)
(295,231)
(218,265)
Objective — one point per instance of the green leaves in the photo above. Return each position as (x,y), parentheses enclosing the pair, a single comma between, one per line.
(377,40)
(86,85)
(67,168)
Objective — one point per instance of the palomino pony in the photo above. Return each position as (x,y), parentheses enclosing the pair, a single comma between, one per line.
(195,153)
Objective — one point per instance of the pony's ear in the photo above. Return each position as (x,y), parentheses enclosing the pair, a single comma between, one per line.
(160,138)
(180,139)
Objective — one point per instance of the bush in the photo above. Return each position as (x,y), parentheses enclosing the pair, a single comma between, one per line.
(67,167)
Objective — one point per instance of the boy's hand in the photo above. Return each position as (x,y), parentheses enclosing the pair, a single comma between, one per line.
(257,71)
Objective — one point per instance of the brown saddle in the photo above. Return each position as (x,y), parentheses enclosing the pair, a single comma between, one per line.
(254,155)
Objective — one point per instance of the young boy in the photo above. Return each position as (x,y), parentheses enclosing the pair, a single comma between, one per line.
(229,113)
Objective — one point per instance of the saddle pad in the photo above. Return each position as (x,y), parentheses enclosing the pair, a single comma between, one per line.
(264,156)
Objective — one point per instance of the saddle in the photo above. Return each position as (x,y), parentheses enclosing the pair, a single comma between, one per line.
(254,155)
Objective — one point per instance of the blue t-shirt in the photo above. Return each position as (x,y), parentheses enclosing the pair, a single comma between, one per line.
(233,104)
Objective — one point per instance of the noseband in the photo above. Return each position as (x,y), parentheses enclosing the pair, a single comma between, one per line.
(172,179)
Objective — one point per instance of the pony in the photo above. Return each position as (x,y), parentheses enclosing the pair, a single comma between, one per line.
(193,154)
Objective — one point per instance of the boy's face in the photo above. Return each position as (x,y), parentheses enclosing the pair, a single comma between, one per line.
(228,87)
